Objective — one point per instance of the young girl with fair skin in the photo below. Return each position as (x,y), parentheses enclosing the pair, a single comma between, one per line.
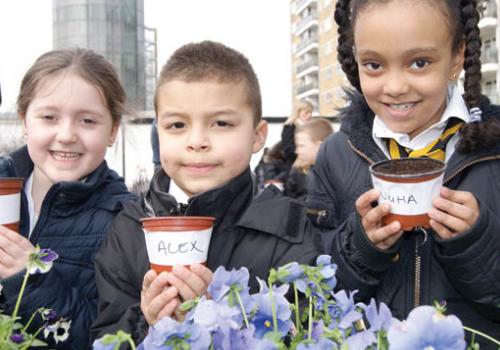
(404,58)
(70,103)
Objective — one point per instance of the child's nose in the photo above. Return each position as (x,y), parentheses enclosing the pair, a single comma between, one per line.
(66,133)
(198,141)
(395,85)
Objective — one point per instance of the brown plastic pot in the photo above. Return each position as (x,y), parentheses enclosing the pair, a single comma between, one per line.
(10,202)
(177,240)
(409,185)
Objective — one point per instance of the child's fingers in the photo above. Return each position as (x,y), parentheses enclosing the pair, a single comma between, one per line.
(152,307)
(203,272)
(453,223)
(363,203)
(169,309)
(459,204)
(381,236)
(373,218)
(188,283)
(389,242)
(148,279)
(441,230)
(156,285)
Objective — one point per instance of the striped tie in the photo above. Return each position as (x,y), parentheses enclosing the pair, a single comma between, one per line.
(435,150)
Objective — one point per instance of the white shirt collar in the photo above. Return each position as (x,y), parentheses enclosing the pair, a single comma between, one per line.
(455,107)
(33,217)
(177,192)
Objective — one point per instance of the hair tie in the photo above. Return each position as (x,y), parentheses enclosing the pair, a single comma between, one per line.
(475,115)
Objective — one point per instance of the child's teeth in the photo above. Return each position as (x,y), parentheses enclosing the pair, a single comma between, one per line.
(402,106)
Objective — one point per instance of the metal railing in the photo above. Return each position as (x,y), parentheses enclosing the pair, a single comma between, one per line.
(305,20)
(307,41)
(307,87)
(489,55)
(309,63)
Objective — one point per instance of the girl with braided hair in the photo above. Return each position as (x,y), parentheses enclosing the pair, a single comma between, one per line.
(403,59)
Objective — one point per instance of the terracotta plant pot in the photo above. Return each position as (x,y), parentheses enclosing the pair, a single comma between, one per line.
(408,185)
(10,202)
(177,240)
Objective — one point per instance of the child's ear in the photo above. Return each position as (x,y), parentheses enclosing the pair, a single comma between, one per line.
(112,135)
(457,63)
(260,135)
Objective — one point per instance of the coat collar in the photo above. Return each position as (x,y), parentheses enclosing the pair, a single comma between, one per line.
(357,122)
(228,200)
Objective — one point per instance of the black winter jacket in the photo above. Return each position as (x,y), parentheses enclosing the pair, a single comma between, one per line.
(463,271)
(73,221)
(260,234)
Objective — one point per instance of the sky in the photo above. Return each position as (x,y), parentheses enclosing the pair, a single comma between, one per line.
(260,29)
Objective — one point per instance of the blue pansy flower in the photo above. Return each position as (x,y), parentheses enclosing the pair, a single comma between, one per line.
(322,344)
(344,312)
(378,320)
(168,334)
(263,318)
(327,271)
(212,315)
(427,328)
(290,273)
(223,281)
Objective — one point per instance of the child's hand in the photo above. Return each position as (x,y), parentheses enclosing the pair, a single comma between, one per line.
(158,298)
(14,252)
(192,282)
(454,212)
(383,237)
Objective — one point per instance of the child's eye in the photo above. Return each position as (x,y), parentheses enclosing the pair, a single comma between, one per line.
(373,66)
(88,121)
(47,117)
(420,63)
(176,125)
(222,124)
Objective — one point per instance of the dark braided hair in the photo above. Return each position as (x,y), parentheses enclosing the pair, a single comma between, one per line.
(463,19)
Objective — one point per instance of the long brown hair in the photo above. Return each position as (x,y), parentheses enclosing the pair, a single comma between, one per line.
(87,64)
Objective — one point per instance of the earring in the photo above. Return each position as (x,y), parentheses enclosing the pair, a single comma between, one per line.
(454,76)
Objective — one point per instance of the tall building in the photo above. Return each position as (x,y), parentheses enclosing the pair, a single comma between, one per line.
(113,28)
(316,75)
(489,55)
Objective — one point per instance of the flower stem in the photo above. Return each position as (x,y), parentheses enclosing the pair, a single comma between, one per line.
(131,343)
(273,307)
(297,311)
(309,331)
(242,308)
(30,320)
(27,346)
(473,331)
(20,296)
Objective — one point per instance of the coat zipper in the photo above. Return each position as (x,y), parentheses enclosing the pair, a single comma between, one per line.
(418,266)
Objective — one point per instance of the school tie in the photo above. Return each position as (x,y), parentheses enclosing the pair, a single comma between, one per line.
(435,150)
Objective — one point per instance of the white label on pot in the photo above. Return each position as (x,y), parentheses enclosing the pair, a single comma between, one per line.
(169,248)
(408,198)
(10,208)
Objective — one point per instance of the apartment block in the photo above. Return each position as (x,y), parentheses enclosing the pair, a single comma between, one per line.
(316,75)
(489,55)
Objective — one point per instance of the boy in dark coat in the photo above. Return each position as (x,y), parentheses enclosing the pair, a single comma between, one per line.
(208,109)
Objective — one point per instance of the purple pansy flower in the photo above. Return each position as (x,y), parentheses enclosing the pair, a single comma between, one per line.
(40,261)
(17,338)
(322,344)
